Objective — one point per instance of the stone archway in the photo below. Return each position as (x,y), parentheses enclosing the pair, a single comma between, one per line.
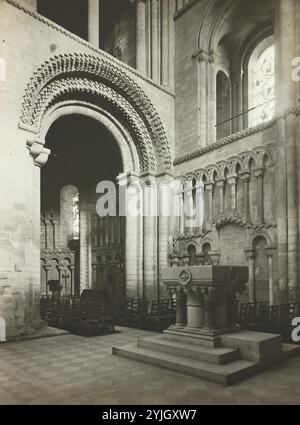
(70,84)
(86,78)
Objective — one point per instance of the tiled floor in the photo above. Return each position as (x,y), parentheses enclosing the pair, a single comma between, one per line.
(75,370)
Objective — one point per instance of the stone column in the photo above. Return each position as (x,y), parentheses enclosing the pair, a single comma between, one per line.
(288,213)
(210,188)
(270,253)
(134,238)
(72,270)
(245,177)
(220,185)
(194,310)
(189,204)
(212,96)
(85,246)
(251,255)
(241,120)
(33,320)
(165,43)
(164,202)
(61,270)
(47,268)
(150,236)
(259,174)
(203,119)
(172,9)
(55,233)
(48,234)
(281,214)
(199,204)
(232,182)
(209,308)
(141,36)
(93,22)
(94,272)
(181,316)
(178,208)
(286,51)
(155,41)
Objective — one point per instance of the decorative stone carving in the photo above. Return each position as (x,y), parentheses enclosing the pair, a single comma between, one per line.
(211,295)
(101,77)
(38,152)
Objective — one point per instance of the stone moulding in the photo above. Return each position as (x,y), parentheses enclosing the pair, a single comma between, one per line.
(245,224)
(223,142)
(85,75)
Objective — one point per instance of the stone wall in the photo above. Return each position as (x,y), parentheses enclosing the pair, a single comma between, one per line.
(24,51)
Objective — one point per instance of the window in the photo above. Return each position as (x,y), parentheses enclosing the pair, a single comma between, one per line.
(69,215)
(76,217)
(262,84)
(223,106)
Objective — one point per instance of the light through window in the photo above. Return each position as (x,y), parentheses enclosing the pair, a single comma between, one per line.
(76,216)
(264,88)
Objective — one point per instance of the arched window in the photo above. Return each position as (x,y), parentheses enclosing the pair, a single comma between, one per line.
(223,106)
(76,217)
(69,214)
(192,254)
(262,83)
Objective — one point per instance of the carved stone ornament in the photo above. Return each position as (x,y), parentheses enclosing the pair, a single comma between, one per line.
(185,277)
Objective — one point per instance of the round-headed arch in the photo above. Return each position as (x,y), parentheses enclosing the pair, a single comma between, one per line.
(95,80)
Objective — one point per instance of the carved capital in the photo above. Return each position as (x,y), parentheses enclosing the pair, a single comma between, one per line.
(232,179)
(38,152)
(250,253)
(270,250)
(259,173)
(209,186)
(244,176)
(202,56)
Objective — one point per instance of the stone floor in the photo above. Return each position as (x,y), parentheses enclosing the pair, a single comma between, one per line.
(76,370)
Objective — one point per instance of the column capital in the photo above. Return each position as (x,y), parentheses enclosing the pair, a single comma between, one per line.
(127,178)
(38,152)
(244,176)
(232,179)
(250,253)
(220,183)
(209,186)
(148,178)
(202,56)
(270,250)
(259,172)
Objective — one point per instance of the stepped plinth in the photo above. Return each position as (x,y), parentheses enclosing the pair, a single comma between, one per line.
(205,341)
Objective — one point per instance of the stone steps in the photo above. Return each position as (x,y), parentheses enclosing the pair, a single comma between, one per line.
(221,374)
(201,353)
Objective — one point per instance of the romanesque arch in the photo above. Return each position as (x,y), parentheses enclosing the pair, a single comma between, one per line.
(96,81)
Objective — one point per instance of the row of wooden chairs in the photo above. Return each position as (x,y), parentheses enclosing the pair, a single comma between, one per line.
(78,316)
(262,317)
(139,313)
